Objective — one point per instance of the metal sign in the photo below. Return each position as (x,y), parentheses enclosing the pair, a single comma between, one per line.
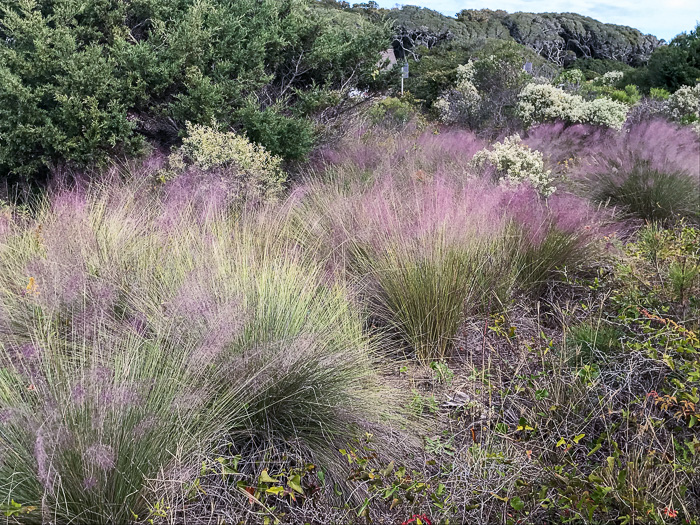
(404,70)
(528,67)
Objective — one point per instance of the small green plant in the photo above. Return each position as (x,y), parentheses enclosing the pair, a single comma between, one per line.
(421,403)
(659,94)
(589,338)
(443,373)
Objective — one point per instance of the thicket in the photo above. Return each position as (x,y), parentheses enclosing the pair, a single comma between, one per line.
(81,82)
(673,66)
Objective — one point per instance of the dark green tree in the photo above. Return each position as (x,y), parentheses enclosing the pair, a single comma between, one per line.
(82,81)
(671,66)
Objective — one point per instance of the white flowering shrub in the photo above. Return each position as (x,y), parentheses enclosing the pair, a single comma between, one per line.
(684,104)
(571,77)
(515,163)
(547,103)
(609,79)
(604,112)
(254,167)
(462,103)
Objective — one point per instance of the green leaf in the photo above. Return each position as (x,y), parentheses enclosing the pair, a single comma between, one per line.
(611,462)
(594,449)
(295,483)
(579,438)
(517,503)
(275,490)
(388,470)
(266,478)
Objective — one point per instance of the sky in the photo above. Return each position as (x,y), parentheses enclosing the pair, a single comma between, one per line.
(662,18)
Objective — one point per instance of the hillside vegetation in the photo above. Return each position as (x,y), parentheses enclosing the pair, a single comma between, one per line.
(244,280)
(560,38)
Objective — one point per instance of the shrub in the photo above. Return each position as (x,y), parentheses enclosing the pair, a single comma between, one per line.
(659,94)
(609,78)
(570,77)
(684,104)
(605,112)
(393,112)
(255,172)
(136,334)
(462,104)
(515,162)
(86,84)
(495,74)
(546,103)
(209,148)
(288,137)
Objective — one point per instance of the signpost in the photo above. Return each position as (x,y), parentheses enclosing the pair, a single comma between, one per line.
(404,74)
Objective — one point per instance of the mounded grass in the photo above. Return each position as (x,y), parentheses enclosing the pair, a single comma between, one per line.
(648,171)
(135,335)
(647,192)
(425,253)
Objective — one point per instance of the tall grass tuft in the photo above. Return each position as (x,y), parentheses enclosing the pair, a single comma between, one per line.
(425,253)
(649,170)
(139,328)
(646,192)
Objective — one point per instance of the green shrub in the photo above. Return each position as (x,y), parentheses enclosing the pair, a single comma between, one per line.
(257,174)
(286,136)
(659,94)
(393,112)
(81,83)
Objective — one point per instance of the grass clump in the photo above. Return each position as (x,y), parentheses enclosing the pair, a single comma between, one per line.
(136,335)
(426,253)
(646,192)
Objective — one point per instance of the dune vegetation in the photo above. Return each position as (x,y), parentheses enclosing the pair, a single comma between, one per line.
(251,293)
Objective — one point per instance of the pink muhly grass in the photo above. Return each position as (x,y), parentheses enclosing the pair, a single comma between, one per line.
(6,415)
(666,146)
(90,483)
(101,456)
(45,471)
(380,153)
(649,170)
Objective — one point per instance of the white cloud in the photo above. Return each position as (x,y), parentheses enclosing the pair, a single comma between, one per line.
(663,18)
